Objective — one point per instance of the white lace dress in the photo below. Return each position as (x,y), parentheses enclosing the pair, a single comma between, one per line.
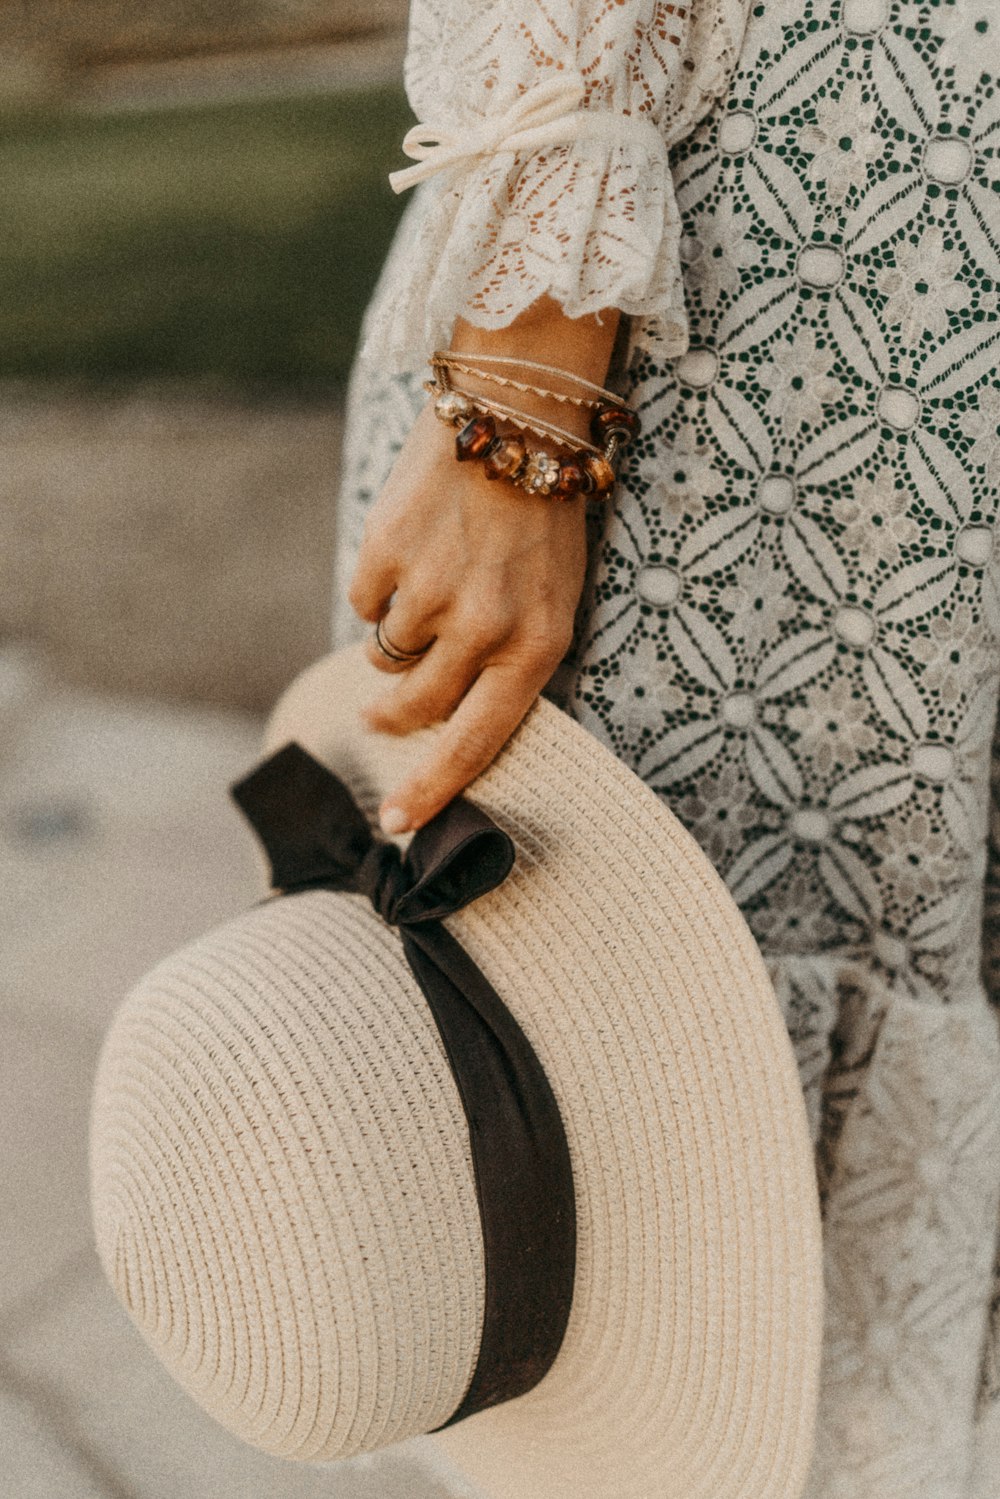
(790,626)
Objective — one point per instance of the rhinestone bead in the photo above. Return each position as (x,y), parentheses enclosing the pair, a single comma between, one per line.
(506,459)
(541,473)
(608,419)
(600,471)
(452,406)
(475,437)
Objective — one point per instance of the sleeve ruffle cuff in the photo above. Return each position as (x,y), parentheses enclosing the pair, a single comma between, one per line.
(593,225)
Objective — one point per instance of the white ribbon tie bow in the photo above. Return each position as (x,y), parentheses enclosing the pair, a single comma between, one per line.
(547,115)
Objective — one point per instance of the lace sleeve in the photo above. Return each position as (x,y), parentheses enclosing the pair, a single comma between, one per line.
(592,222)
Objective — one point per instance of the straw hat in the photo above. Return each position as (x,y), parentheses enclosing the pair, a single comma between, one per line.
(283,1188)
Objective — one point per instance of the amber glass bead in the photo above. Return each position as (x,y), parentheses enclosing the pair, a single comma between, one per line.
(608,419)
(601,473)
(506,458)
(571,479)
(475,437)
(587,486)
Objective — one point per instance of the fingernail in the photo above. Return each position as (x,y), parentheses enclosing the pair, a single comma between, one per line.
(393,820)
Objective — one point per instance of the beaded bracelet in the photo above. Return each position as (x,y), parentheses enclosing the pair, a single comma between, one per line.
(587,470)
(614,412)
(507,456)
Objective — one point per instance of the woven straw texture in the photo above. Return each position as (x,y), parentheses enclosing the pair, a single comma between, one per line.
(282,1184)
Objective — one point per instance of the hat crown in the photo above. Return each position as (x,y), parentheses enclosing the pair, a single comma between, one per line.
(284,1191)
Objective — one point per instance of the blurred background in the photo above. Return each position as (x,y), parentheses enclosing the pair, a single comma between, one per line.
(195,209)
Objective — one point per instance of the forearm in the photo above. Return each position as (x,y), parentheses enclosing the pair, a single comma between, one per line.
(543,333)
(481,579)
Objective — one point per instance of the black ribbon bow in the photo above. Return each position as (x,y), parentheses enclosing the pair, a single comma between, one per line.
(317,837)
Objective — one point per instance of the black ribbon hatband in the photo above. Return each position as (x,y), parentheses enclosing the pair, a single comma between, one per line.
(317,837)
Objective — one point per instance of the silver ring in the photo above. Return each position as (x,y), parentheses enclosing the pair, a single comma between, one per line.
(393,652)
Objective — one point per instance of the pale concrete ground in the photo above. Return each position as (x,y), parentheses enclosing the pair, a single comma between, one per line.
(118,842)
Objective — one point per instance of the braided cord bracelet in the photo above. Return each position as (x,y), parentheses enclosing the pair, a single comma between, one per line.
(535,424)
(455,357)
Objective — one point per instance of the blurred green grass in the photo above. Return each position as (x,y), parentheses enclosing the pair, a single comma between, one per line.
(235,244)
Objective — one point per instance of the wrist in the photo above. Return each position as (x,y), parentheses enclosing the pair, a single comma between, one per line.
(543,333)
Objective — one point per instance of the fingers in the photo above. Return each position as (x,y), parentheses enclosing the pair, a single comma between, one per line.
(374,581)
(406,627)
(477,730)
(433,687)
(377,570)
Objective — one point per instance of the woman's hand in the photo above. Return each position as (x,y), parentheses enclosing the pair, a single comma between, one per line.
(492,575)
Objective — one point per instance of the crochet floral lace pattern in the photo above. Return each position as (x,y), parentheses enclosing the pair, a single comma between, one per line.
(588,223)
(790,629)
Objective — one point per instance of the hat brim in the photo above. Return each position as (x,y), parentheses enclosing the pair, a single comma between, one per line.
(690,1365)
